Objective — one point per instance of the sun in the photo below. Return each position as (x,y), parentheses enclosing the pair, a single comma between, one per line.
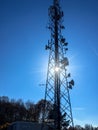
(56,69)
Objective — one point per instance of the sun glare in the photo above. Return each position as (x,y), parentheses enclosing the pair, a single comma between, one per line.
(56,69)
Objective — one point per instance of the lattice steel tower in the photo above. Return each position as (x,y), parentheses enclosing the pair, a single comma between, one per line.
(58,82)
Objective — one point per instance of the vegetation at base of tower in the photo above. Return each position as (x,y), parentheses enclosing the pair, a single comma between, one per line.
(12,110)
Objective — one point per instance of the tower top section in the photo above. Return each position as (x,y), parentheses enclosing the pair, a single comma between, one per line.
(56,2)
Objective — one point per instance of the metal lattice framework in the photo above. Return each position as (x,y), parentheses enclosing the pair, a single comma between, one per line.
(58,81)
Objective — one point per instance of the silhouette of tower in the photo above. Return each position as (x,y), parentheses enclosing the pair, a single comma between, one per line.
(58,82)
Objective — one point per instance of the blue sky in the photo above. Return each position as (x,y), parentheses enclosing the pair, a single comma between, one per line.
(23,60)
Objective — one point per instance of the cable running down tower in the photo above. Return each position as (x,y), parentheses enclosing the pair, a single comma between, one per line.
(58,81)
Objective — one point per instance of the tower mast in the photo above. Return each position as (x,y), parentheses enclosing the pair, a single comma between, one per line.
(58,82)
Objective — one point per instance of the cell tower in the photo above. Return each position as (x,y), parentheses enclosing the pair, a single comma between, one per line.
(58,81)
